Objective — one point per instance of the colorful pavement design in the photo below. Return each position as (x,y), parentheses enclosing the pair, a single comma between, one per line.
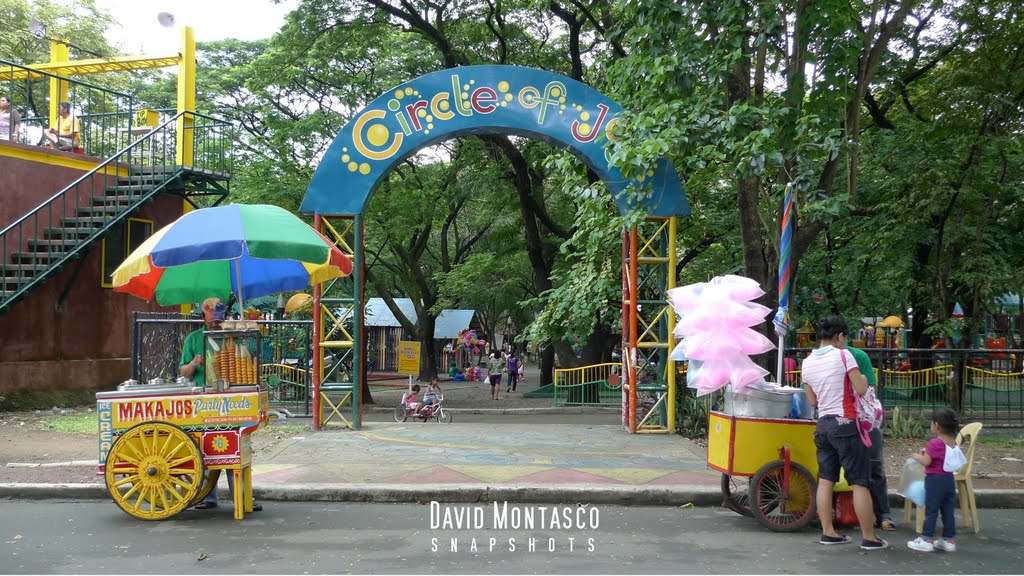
(507,454)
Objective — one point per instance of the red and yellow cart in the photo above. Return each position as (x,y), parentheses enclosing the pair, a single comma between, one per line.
(768,465)
(162,446)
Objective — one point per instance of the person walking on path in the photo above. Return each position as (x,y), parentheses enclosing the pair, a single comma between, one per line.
(831,378)
(513,371)
(941,457)
(879,487)
(494,368)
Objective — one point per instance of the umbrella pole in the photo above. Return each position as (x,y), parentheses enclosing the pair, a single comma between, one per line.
(238,279)
(782,354)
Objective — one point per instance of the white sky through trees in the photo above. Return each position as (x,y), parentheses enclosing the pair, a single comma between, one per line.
(140,33)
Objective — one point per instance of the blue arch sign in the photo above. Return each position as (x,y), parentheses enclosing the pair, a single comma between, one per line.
(475,100)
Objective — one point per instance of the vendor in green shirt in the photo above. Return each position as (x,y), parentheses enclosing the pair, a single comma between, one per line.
(879,488)
(191,365)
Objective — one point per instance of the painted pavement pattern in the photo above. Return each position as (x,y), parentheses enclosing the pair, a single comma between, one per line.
(424,453)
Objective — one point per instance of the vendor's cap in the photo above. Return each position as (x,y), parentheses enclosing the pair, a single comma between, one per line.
(217,306)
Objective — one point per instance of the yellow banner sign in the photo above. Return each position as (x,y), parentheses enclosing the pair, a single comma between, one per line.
(408,357)
(187,410)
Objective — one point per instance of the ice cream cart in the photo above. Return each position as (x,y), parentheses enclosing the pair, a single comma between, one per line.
(163,445)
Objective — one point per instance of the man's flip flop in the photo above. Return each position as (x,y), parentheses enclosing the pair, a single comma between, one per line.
(257,507)
(205,505)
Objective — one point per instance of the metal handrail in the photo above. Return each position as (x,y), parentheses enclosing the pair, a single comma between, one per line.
(66,205)
(102,109)
(102,166)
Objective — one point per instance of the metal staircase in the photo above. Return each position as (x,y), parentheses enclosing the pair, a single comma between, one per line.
(63,228)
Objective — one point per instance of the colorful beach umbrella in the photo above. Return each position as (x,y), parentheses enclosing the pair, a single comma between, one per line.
(785,250)
(297,302)
(246,250)
(781,320)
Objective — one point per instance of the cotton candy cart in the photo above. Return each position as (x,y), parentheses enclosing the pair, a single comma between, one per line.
(163,445)
(768,467)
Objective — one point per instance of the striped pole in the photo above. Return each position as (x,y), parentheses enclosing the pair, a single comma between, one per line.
(781,320)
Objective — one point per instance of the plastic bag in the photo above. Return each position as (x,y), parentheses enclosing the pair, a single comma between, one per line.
(912,482)
(954,459)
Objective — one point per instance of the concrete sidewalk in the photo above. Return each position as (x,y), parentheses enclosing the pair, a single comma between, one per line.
(548,463)
(515,454)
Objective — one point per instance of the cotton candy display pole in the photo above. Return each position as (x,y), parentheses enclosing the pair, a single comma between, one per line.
(715,323)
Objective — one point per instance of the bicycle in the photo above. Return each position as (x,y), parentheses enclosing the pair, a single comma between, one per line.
(426,412)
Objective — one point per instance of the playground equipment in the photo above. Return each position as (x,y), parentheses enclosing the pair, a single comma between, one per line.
(163,445)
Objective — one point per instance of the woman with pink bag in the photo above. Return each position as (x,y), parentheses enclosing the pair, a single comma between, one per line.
(833,383)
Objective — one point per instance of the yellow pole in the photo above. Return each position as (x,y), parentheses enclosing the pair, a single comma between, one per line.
(186,102)
(58,88)
(670,282)
(186,97)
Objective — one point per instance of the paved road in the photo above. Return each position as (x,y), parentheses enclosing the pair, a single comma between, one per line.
(296,538)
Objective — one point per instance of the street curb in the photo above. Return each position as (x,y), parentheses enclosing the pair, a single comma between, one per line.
(476,493)
(61,491)
(470,493)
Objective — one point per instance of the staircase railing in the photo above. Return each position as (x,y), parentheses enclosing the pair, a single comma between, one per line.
(65,225)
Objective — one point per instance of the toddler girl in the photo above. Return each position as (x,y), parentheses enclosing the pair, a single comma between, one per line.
(941,457)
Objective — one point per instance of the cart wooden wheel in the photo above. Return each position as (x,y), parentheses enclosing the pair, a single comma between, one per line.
(210,479)
(154,470)
(777,508)
(736,494)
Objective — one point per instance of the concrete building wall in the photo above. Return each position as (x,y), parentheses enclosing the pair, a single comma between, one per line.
(70,332)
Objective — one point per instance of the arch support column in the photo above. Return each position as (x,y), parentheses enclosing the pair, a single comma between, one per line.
(649,376)
(339,371)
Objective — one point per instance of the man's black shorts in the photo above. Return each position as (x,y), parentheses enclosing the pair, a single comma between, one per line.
(839,445)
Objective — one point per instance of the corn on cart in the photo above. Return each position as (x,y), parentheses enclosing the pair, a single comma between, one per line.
(768,465)
(163,445)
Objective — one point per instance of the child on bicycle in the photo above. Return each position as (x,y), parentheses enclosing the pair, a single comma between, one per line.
(409,399)
(433,393)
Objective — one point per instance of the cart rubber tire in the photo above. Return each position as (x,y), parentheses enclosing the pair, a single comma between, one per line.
(154,470)
(444,416)
(210,479)
(736,494)
(773,509)
(401,415)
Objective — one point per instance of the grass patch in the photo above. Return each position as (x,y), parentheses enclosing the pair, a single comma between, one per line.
(20,400)
(286,429)
(1001,440)
(70,423)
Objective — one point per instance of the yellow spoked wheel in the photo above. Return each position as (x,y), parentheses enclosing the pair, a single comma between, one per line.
(210,478)
(154,470)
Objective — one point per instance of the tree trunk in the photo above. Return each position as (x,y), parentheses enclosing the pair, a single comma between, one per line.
(547,365)
(540,261)
(428,364)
